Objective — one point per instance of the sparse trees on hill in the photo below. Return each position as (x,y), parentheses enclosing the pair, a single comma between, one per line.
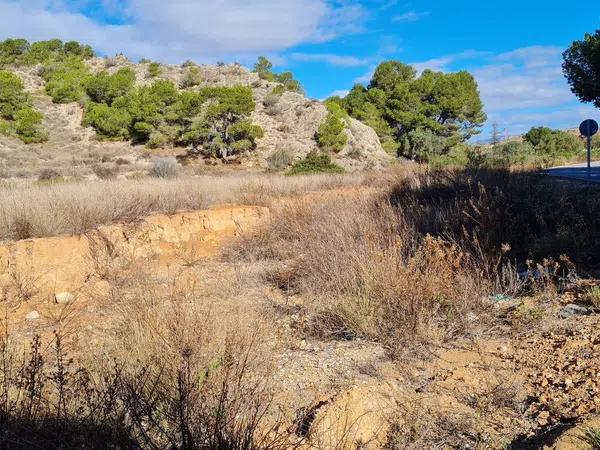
(14,51)
(581,66)
(264,68)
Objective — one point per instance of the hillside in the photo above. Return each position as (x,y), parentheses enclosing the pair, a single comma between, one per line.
(290,122)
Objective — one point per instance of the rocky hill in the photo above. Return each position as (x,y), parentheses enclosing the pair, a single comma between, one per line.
(290,122)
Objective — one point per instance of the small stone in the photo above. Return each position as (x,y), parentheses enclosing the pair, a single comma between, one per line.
(33,315)
(572,310)
(63,297)
(472,317)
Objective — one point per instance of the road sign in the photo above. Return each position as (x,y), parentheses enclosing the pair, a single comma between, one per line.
(588,128)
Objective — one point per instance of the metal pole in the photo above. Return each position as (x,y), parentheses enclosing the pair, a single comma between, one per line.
(589,146)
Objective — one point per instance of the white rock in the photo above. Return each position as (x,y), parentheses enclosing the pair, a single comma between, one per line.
(33,315)
(63,297)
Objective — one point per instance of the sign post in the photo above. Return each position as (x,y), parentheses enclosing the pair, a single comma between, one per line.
(588,128)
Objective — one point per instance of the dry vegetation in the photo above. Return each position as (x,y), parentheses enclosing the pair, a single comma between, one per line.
(409,265)
(48,209)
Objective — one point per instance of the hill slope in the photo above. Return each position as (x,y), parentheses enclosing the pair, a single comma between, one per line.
(290,122)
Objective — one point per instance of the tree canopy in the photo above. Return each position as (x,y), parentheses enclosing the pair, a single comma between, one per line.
(21,51)
(400,105)
(581,66)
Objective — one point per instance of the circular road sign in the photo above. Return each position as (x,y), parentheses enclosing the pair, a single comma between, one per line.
(588,128)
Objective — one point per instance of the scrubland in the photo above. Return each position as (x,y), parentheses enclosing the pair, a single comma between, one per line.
(408,261)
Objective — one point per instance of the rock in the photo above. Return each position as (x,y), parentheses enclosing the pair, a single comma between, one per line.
(572,310)
(472,317)
(33,315)
(63,297)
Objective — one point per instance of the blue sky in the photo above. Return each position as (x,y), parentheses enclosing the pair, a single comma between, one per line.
(512,47)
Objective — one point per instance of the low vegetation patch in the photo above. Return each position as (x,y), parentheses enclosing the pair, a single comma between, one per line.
(314,163)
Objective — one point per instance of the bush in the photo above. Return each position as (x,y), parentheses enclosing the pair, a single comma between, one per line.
(280,159)
(110,123)
(315,162)
(192,78)
(12,96)
(12,49)
(165,168)
(28,126)
(331,136)
(16,115)
(105,88)
(423,145)
(65,81)
(153,70)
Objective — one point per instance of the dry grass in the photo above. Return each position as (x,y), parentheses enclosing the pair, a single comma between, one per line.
(174,370)
(367,274)
(417,263)
(66,208)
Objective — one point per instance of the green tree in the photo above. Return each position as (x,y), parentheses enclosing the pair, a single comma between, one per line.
(217,132)
(581,66)
(331,136)
(264,68)
(397,102)
(538,134)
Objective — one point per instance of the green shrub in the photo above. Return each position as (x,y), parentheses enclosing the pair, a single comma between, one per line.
(109,122)
(12,96)
(12,49)
(315,162)
(511,153)
(65,81)
(331,136)
(423,145)
(20,51)
(153,70)
(16,115)
(288,82)
(28,126)
(105,88)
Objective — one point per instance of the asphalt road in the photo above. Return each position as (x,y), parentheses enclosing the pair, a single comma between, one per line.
(577,172)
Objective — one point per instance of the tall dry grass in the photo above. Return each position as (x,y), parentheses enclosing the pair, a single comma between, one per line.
(418,262)
(37,210)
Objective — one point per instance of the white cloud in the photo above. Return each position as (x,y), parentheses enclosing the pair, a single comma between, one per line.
(524,78)
(334,60)
(200,29)
(409,16)
(441,64)
(340,93)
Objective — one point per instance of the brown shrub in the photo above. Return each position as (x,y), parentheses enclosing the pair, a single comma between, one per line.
(367,274)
